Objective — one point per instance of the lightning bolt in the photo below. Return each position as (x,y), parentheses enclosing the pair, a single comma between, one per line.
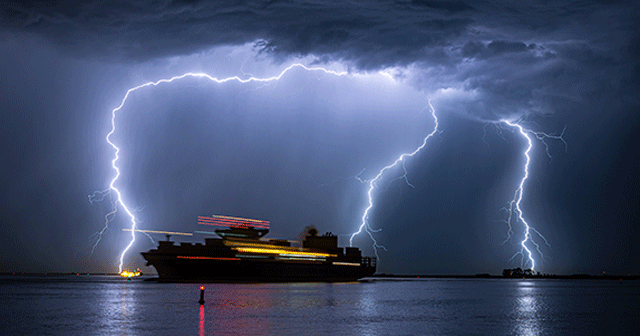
(373,184)
(114,192)
(514,204)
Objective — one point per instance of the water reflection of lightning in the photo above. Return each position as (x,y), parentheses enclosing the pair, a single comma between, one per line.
(364,225)
(514,204)
(119,199)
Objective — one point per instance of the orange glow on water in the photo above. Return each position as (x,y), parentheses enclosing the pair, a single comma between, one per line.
(130,274)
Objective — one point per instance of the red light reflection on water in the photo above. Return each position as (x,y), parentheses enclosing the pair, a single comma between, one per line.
(235,307)
(201,329)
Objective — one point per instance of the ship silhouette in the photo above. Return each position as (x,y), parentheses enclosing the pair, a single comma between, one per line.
(241,254)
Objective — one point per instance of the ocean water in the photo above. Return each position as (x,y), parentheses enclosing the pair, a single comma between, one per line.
(109,305)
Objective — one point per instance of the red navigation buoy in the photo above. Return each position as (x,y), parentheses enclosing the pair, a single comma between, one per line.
(201,301)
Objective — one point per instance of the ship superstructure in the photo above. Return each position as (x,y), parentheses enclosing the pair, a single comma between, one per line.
(241,254)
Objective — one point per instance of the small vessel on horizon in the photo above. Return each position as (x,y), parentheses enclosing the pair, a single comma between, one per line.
(240,254)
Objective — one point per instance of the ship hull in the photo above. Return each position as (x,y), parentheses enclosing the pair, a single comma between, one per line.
(171,268)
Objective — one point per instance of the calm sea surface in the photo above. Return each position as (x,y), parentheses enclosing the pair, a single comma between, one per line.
(109,305)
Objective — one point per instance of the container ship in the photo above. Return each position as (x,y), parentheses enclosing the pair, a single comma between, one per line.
(241,254)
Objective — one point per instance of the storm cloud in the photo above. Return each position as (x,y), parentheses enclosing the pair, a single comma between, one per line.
(551,65)
(481,47)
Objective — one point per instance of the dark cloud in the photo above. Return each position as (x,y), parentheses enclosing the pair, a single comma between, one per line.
(499,47)
(149,29)
(496,48)
(369,36)
(484,60)
(472,48)
(485,46)
(450,6)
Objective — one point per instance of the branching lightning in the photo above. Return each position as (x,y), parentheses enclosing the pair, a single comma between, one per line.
(114,192)
(514,210)
(99,196)
(515,213)
(373,184)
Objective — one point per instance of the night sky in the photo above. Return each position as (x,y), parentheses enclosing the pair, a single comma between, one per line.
(292,150)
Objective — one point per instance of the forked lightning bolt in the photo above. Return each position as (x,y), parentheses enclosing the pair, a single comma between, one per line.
(119,198)
(373,183)
(514,204)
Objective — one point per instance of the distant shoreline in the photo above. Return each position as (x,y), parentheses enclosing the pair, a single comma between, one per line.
(57,274)
(384,276)
(489,276)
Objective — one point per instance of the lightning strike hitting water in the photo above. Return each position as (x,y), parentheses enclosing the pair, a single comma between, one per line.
(364,225)
(514,204)
(119,198)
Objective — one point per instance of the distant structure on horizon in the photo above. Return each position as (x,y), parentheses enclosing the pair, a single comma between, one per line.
(518,273)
